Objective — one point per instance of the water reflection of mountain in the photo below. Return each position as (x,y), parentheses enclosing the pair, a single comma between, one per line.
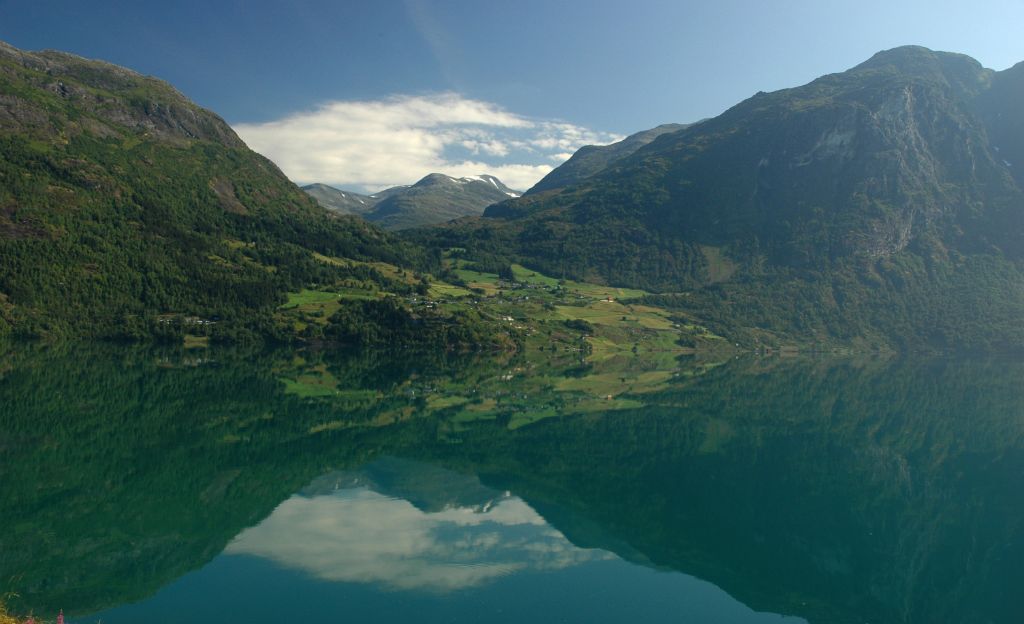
(405,525)
(122,469)
(426,487)
(840,491)
(882,492)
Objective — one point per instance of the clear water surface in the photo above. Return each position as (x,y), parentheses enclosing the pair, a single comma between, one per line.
(210,486)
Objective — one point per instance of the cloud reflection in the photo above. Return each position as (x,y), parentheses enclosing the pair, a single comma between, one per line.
(361,536)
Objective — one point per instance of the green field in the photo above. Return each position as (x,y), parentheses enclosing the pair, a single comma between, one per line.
(616,314)
(487,282)
(538,305)
(439,290)
(308,297)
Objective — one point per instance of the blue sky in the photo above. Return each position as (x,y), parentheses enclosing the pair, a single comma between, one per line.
(551,74)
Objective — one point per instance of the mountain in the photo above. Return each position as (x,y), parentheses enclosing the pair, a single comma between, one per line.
(881,206)
(342,202)
(591,159)
(437,198)
(126,209)
(428,488)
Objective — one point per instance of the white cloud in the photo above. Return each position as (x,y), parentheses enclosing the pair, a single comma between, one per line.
(364,537)
(373,144)
(493,148)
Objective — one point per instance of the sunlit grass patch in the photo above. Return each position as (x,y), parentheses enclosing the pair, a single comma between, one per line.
(305,389)
(442,289)
(615,314)
(487,282)
(521,419)
(395,273)
(487,405)
(237,244)
(313,382)
(593,405)
(615,383)
(330,260)
(602,348)
(196,342)
(307,296)
(334,425)
(435,402)
(598,291)
(527,276)
(652,318)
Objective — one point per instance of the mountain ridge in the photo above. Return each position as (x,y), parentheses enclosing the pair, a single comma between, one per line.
(591,159)
(339,201)
(433,199)
(877,184)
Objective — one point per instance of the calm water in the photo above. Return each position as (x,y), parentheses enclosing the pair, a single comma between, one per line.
(146,485)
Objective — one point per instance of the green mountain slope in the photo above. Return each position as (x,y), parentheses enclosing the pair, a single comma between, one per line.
(125,208)
(592,159)
(878,205)
(436,198)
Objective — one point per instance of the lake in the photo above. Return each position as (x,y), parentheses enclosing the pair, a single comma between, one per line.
(225,485)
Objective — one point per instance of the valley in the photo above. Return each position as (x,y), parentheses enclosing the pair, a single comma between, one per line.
(533,311)
(412,312)
(785,222)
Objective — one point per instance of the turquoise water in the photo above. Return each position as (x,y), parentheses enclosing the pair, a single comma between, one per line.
(147,485)
(364,553)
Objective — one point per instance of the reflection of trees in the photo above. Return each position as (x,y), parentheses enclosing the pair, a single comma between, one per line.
(848,491)
(856,491)
(124,468)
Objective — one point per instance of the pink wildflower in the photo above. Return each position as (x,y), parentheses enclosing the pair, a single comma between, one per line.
(60,617)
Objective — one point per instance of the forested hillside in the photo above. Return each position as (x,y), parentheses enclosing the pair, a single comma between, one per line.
(126,210)
(881,206)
